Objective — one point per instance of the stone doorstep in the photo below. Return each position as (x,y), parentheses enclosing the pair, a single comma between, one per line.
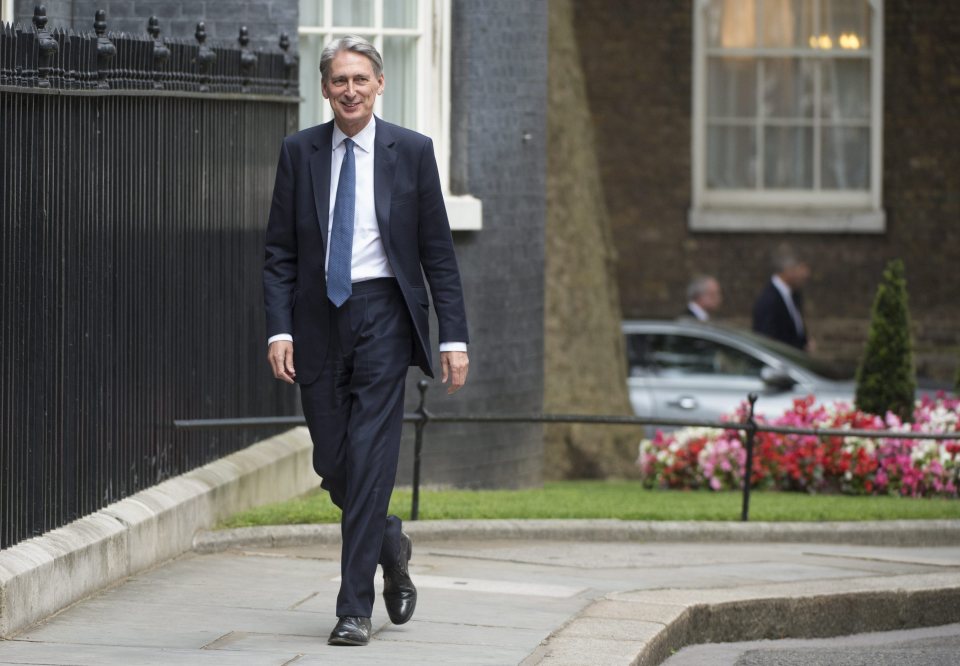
(646,627)
(872,533)
(43,575)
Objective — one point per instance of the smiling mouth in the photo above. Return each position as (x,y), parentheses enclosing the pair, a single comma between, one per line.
(350,106)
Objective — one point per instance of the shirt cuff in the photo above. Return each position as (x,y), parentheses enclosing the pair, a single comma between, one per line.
(279,336)
(453,346)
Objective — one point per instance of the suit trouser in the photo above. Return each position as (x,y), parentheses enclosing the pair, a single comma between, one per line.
(355,413)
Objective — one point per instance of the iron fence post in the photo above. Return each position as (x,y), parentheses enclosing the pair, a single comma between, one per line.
(751,431)
(423,416)
(47,46)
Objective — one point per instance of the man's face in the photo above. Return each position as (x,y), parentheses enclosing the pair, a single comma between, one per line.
(796,275)
(352,90)
(711,298)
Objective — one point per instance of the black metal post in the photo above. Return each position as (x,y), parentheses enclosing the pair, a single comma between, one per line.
(422,418)
(751,431)
(105,48)
(46,46)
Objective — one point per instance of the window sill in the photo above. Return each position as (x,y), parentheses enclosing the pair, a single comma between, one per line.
(465,212)
(782,220)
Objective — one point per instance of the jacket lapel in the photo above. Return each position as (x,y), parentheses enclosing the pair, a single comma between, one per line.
(320,174)
(384,168)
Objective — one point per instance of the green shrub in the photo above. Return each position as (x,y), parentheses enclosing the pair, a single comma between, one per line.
(885,378)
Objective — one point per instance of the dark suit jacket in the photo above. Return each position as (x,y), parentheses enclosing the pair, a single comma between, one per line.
(772,318)
(413,227)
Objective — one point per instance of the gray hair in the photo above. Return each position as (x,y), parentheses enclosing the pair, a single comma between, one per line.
(698,286)
(349,43)
(783,257)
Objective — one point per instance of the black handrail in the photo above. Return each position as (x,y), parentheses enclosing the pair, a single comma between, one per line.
(422,416)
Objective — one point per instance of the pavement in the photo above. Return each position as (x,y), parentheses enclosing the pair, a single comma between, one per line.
(935,646)
(503,595)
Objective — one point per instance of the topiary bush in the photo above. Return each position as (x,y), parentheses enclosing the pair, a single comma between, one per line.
(885,378)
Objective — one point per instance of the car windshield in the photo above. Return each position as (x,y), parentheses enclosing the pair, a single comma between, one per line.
(827,369)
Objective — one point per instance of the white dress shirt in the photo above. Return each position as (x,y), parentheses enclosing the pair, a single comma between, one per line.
(369,258)
(787,295)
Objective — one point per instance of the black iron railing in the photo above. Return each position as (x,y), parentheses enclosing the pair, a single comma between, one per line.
(69,60)
(422,417)
(135,179)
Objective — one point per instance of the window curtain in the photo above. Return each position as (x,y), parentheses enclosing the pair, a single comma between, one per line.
(761,108)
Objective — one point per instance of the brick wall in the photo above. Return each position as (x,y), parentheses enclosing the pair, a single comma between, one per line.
(178,18)
(638,65)
(499,73)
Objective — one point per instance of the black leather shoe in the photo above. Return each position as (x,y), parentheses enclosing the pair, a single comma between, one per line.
(399,593)
(350,631)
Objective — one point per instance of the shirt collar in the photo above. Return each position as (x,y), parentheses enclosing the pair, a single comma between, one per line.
(363,139)
(698,311)
(782,287)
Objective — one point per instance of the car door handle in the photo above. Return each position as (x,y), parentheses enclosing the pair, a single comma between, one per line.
(685,402)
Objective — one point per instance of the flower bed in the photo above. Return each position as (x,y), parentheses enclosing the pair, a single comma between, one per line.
(711,458)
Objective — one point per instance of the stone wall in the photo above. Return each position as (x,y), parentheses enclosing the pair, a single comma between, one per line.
(637,57)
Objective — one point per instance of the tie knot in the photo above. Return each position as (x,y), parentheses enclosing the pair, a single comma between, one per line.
(348,145)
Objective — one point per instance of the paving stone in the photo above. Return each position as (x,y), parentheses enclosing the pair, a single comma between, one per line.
(947,557)
(622,610)
(605,628)
(75,654)
(576,651)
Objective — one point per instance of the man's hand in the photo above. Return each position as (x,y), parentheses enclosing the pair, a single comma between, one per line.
(280,357)
(454,365)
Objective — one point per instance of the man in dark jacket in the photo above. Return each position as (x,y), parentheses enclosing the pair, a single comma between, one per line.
(356,225)
(778,311)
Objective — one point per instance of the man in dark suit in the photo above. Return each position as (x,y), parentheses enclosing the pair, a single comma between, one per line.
(357,221)
(778,311)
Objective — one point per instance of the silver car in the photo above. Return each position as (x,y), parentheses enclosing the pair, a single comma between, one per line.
(687,369)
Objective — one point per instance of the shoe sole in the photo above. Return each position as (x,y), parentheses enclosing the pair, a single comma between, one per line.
(346,641)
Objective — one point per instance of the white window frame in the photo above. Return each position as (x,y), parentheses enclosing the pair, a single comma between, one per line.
(433,88)
(816,211)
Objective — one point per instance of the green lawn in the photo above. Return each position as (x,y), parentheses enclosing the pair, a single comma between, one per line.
(625,500)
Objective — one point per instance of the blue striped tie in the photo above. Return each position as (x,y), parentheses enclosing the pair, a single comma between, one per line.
(341,235)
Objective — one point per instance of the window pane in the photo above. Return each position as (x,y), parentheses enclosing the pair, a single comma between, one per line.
(353,12)
(731,23)
(787,88)
(787,23)
(732,88)
(400,72)
(846,89)
(788,157)
(731,157)
(311,108)
(400,13)
(680,355)
(846,23)
(846,158)
(311,12)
